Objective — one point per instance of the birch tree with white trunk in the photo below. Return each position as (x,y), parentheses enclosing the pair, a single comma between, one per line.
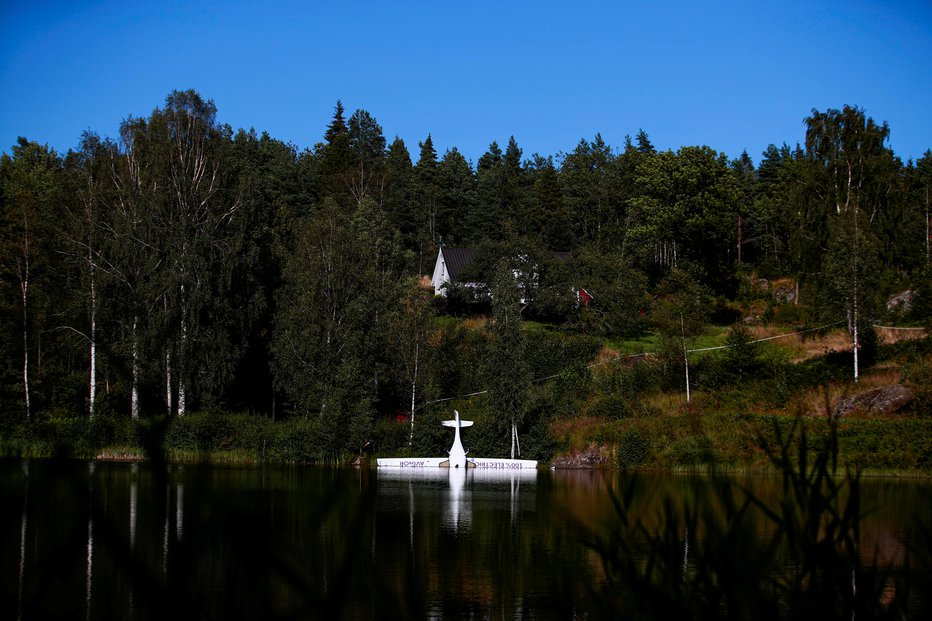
(30,184)
(133,259)
(410,330)
(193,227)
(88,172)
(679,311)
(847,143)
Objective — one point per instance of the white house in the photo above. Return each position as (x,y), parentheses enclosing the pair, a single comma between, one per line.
(452,262)
(449,266)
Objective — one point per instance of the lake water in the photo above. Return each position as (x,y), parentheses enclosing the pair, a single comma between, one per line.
(112,541)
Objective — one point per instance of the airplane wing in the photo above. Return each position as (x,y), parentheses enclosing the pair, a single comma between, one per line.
(411,462)
(452,423)
(488,463)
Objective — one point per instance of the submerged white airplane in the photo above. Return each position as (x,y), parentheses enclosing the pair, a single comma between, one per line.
(457,455)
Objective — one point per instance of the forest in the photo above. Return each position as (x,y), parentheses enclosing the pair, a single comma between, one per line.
(234,292)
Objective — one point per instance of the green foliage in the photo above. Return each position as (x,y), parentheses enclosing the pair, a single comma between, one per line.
(505,365)
(878,445)
(198,432)
(392,436)
(590,190)
(921,311)
(633,447)
(917,372)
(690,451)
(684,214)
(537,442)
(619,295)
(431,438)
(549,353)
(742,355)
(333,309)
(680,305)
(456,197)
(631,380)
(302,441)
(611,407)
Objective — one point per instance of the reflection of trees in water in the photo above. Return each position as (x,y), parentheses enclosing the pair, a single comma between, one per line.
(156,541)
(800,554)
(134,542)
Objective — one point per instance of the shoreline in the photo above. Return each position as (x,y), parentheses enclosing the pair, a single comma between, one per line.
(220,458)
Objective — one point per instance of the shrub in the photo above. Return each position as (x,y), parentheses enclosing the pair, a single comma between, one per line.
(202,431)
(97,433)
(724,312)
(611,407)
(632,449)
(693,450)
(297,441)
(391,435)
(253,433)
(536,440)
(630,379)
(711,373)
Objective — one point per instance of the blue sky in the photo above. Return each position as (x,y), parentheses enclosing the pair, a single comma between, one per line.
(730,75)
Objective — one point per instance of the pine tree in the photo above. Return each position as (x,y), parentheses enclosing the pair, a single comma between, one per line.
(589,190)
(368,147)
(397,197)
(333,161)
(489,217)
(426,201)
(337,127)
(644,144)
(547,215)
(456,187)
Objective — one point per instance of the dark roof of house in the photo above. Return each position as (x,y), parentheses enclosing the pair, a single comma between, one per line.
(456,260)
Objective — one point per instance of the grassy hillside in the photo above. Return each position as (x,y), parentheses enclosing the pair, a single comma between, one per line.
(637,415)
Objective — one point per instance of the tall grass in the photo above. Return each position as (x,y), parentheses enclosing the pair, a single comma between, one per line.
(808,564)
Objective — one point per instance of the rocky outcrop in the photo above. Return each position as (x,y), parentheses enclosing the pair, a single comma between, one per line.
(883,400)
(589,457)
(902,301)
(782,290)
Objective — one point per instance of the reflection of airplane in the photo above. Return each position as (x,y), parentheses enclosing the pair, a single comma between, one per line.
(421,491)
(457,457)
(458,508)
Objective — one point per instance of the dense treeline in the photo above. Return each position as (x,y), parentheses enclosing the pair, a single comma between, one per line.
(183,266)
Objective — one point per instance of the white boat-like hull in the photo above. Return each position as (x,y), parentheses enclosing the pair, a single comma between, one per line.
(480,463)
(487,463)
(413,462)
(457,458)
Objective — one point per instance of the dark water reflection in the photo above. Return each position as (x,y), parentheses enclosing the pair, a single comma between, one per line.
(109,541)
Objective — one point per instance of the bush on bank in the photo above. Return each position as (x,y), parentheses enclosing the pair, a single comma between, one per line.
(202,436)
